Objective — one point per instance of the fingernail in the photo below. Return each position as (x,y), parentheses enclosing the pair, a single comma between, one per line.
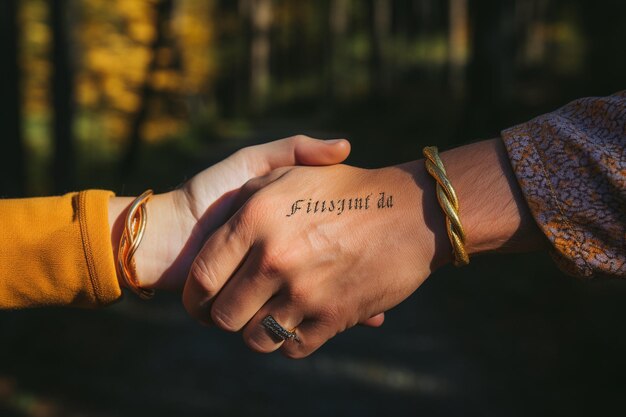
(333,141)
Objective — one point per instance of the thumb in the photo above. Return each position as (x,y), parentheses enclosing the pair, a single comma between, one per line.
(284,153)
(295,150)
(309,151)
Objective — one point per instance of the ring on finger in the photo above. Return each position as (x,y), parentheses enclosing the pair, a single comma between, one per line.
(279,331)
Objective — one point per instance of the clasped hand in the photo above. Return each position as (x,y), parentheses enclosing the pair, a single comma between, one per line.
(321,249)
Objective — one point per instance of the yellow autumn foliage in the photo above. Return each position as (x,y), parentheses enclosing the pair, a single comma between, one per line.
(111,43)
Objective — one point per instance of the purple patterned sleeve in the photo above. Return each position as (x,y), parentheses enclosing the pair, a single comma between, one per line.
(571,166)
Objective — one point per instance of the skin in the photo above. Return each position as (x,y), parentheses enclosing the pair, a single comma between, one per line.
(179,221)
(323,273)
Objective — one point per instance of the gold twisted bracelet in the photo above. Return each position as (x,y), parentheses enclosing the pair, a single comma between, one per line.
(449,203)
(134,228)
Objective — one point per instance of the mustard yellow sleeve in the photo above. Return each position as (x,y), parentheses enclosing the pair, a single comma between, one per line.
(57,251)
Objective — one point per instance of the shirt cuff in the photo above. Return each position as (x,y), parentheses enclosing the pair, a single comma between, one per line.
(96,238)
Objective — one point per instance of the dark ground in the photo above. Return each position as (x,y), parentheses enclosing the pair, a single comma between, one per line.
(507,336)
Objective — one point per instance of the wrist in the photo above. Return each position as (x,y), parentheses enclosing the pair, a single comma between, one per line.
(492,209)
(163,239)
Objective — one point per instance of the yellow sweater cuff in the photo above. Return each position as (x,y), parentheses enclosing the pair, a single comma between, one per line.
(57,251)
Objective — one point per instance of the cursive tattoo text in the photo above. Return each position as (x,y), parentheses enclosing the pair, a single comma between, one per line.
(341,205)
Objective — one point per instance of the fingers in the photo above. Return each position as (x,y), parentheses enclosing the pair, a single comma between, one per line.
(295,150)
(244,294)
(374,321)
(219,258)
(231,281)
(260,339)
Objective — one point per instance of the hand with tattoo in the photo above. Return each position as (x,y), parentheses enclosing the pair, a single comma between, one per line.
(321,249)
(312,248)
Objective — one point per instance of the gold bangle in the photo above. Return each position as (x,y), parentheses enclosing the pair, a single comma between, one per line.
(449,204)
(134,228)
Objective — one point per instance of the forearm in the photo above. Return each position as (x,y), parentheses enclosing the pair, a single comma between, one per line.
(493,211)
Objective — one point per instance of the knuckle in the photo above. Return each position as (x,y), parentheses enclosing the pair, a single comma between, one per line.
(244,157)
(330,314)
(224,320)
(300,138)
(299,293)
(280,257)
(254,210)
(241,226)
(291,256)
(202,275)
(272,262)
(243,153)
(268,266)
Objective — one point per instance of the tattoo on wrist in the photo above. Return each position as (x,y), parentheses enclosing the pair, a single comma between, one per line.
(341,205)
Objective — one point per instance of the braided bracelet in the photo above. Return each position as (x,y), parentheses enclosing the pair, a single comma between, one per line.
(449,203)
(134,228)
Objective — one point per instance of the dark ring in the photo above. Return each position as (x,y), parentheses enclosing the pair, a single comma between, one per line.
(279,331)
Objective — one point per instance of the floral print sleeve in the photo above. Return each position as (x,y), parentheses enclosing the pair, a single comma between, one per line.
(571,166)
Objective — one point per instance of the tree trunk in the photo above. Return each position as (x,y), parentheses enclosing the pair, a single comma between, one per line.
(338,15)
(457,46)
(530,23)
(232,78)
(426,17)
(380,24)
(130,158)
(261,22)
(12,174)
(491,72)
(62,105)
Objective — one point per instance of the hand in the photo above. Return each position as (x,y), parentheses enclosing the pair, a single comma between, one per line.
(180,220)
(321,249)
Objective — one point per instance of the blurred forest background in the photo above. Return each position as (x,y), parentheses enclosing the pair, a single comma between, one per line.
(93,88)
(130,94)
